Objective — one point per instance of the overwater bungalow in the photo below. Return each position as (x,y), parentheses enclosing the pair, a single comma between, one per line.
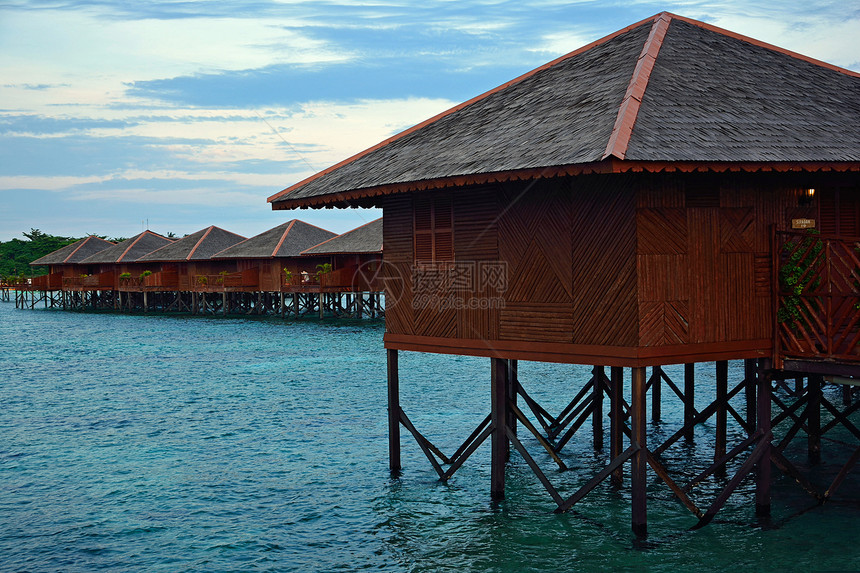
(274,256)
(634,204)
(65,262)
(187,264)
(356,258)
(356,269)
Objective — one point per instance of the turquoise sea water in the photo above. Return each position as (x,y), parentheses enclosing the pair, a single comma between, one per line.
(164,443)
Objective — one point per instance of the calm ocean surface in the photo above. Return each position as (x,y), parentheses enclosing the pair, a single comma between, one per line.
(164,443)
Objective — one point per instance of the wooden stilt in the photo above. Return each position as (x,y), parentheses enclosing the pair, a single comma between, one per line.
(722,411)
(499,437)
(639,461)
(616,433)
(656,392)
(393,412)
(689,399)
(597,407)
(513,368)
(762,493)
(813,422)
(750,381)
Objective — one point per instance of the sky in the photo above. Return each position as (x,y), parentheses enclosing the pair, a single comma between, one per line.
(174,115)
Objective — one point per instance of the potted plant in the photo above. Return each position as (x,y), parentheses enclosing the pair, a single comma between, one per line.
(288,276)
(124,278)
(324,269)
(221,276)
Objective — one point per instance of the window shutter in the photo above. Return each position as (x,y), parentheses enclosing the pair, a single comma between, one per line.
(444,246)
(424,246)
(434,220)
(423,214)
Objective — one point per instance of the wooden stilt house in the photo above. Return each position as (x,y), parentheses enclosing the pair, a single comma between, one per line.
(617,204)
(356,258)
(642,201)
(187,263)
(266,256)
(65,262)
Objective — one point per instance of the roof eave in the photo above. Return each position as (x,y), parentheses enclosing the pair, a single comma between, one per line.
(611,164)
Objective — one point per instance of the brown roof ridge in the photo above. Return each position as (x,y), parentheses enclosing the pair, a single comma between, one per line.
(78,248)
(133,243)
(458,107)
(762,44)
(629,108)
(199,242)
(283,237)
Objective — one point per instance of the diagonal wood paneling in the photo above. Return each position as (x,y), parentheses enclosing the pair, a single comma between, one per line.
(604,264)
(737,230)
(397,281)
(535,280)
(661,231)
(663,323)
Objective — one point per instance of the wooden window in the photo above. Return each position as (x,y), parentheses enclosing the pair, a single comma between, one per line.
(434,234)
(839,212)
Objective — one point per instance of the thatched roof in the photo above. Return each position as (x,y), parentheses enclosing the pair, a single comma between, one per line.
(665,93)
(366,239)
(286,240)
(197,246)
(74,253)
(129,250)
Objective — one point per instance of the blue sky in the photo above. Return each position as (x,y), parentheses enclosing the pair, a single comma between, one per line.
(180,114)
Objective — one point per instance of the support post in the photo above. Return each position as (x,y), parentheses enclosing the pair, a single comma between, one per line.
(512,396)
(722,410)
(393,412)
(616,419)
(656,392)
(499,416)
(750,379)
(762,491)
(599,373)
(689,399)
(813,422)
(639,461)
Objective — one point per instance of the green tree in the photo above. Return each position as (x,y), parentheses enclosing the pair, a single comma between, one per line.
(16,255)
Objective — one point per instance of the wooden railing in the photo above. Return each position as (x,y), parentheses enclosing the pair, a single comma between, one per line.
(162,280)
(91,282)
(249,278)
(46,282)
(817,297)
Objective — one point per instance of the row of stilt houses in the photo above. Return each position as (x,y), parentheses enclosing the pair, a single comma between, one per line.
(295,269)
(672,194)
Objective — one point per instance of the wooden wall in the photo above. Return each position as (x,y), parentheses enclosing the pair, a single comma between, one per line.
(635,269)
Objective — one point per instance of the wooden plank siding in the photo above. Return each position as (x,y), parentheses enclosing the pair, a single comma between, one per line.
(634,270)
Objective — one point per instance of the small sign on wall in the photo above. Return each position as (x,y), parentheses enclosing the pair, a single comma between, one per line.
(803,223)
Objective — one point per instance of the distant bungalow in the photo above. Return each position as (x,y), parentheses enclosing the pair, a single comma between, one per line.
(632,204)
